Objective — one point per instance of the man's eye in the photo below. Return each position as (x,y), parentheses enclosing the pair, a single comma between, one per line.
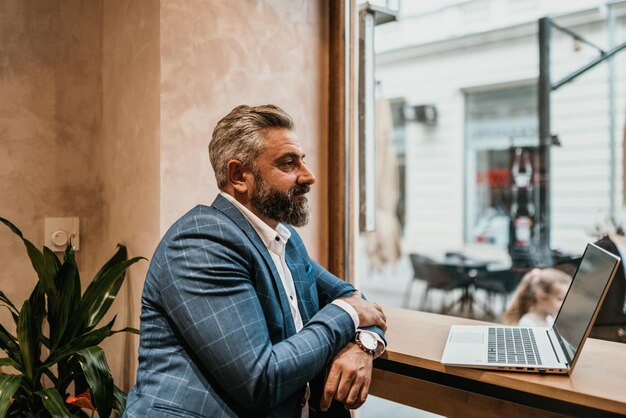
(288,164)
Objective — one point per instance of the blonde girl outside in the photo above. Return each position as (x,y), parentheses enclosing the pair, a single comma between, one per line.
(538,298)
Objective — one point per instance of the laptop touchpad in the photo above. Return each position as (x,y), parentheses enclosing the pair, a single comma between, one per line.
(467,337)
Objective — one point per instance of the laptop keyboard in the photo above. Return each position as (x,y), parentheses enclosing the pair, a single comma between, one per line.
(512,345)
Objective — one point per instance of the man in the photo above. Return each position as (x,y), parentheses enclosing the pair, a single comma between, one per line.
(236,319)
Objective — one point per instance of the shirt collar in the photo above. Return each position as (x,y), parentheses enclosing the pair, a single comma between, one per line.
(268,235)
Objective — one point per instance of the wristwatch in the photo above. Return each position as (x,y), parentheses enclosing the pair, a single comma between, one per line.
(367,341)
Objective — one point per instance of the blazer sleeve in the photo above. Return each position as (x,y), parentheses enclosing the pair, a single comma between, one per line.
(329,287)
(207,290)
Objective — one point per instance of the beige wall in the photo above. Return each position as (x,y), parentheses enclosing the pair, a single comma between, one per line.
(106,112)
(130,158)
(50,121)
(218,54)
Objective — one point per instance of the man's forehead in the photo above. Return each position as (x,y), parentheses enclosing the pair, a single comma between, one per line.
(281,141)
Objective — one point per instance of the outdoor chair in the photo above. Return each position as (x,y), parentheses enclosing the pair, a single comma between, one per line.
(498,283)
(437,276)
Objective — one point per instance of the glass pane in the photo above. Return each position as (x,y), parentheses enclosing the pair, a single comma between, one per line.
(458,159)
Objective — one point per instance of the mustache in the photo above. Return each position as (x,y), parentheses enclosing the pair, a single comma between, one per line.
(299,189)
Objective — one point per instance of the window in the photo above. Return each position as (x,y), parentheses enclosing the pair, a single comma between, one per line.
(500,129)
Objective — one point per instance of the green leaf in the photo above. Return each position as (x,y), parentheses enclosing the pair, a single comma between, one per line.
(65,301)
(54,403)
(120,255)
(51,263)
(69,253)
(9,304)
(127,329)
(36,258)
(9,383)
(7,361)
(45,341)
(52,377)
(98,375)
(28,337)
(72,373)
(119,400)
(8,343)
(37,301)
(89,339)
(102,291)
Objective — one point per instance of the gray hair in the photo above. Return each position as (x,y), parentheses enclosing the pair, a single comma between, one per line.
(239,136)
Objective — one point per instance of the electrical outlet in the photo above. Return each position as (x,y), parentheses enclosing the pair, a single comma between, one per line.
(59,231)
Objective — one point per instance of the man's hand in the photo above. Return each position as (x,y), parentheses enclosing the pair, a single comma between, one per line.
(369,313)
(349,378)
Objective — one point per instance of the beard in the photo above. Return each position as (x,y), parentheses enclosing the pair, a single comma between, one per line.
(279,206)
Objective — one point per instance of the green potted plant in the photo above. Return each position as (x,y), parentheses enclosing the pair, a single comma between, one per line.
(45,362)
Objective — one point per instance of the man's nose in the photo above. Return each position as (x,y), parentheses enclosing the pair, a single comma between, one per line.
(306,176)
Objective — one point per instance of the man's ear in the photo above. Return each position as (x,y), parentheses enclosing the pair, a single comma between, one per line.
(238,176)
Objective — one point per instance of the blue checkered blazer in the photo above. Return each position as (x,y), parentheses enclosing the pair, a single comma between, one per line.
(217,335)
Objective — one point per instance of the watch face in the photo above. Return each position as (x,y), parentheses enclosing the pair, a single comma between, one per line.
(368,340)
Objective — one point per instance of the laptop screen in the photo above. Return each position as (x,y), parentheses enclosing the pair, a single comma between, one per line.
(585,293)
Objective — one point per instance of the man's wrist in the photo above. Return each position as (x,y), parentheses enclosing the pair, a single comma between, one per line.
(349,309)
(366,342)
(380,347)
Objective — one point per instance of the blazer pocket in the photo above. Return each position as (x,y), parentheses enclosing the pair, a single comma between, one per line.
(175,411)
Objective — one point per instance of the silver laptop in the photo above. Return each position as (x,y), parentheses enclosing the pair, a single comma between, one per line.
(539,349)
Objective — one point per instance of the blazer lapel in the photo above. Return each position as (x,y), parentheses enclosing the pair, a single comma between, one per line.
(227,208)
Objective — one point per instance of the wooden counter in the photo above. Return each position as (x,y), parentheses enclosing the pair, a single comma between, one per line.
(410,373)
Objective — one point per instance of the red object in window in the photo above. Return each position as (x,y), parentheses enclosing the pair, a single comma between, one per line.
(495,177)
(499,177)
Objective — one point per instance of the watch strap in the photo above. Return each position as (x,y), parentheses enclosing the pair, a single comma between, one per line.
(357,340)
